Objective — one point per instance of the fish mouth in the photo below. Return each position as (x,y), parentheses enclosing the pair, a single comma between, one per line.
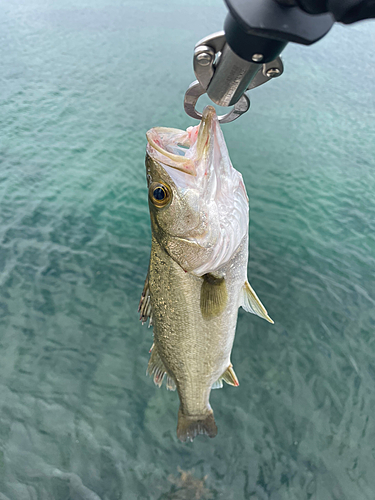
(170,146)
(182,149)
(206,130)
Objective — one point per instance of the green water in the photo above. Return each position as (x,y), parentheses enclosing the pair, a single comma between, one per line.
(81,83)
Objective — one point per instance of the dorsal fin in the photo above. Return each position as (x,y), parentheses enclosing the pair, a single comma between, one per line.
(157,369)
(145,303)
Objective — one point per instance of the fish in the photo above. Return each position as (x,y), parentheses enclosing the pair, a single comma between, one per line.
(197,276)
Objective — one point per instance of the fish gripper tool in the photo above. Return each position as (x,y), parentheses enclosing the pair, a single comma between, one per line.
(225,77)
(247,53)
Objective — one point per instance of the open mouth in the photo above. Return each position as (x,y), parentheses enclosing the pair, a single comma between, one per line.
(171,147)
(180,149)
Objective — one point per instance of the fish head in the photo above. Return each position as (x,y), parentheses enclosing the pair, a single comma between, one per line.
(198,201)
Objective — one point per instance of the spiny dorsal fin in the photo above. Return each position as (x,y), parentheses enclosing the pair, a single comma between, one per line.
(230,377)
(252,304)
(214,296)
(157,369)
(145,304)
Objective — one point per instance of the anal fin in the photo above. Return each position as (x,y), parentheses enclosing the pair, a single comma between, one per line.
(251,303)
(229,377)
(218,384)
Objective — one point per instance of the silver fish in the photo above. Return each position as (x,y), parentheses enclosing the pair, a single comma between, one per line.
(197,276)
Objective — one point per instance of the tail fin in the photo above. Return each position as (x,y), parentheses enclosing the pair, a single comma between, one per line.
(188,427)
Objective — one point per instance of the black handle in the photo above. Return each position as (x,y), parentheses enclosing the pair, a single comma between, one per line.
(344,11)
(269,19)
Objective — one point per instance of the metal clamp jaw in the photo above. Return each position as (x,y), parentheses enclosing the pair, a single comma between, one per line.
(225,76)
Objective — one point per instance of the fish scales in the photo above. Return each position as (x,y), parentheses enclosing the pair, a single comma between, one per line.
(180,332)
(197,275)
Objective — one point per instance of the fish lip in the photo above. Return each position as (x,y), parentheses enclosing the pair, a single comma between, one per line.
(186,165)
(206,130)
(161,138)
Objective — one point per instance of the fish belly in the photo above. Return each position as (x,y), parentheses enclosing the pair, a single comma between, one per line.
(195,351)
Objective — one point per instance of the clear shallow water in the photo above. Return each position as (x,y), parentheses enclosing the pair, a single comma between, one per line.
(81,82)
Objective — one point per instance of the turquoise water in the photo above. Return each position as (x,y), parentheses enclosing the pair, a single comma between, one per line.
(81,83)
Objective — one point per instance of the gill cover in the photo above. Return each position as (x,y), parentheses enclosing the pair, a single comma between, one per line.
(207,219)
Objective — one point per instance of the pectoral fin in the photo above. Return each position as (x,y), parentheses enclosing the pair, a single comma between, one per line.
(214,296)
(157,369)
(252,304)
(145,304)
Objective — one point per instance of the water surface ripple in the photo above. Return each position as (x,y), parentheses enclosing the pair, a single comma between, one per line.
(81,82)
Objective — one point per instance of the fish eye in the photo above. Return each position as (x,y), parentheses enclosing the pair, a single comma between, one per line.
(160,194)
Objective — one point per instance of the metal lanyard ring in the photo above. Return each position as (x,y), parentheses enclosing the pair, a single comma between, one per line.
(194,92)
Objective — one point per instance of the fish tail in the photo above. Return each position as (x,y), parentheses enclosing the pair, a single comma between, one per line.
(190,426)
